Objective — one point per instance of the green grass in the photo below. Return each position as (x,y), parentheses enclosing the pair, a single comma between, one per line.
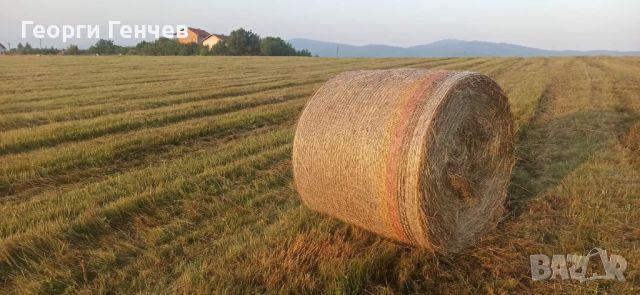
(173,175)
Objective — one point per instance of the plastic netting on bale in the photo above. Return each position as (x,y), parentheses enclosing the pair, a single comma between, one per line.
(423,157)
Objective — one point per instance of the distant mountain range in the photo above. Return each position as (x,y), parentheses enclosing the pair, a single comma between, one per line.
(443,48)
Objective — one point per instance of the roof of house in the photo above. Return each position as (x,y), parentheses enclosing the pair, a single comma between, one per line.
(2,47)
(219,36)
(201,33)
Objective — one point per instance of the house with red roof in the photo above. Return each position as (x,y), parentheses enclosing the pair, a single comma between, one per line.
(200,36)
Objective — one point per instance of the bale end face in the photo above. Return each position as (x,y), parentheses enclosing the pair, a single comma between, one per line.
(422,157)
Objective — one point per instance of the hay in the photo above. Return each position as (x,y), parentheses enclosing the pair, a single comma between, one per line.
(422,157)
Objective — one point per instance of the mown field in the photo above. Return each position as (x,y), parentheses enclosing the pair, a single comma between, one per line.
(173,175)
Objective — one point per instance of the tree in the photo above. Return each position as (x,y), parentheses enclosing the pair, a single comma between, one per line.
(162,46)
(145,48)
(165,46)
(105,47)
(189,49)
(275,46)
(204,50)
(304,52)
(24,49)
(20,48)
(220,48)
(243,42)
(72,50)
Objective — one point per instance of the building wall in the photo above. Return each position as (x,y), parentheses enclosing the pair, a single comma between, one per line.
(213,40)
(191,38)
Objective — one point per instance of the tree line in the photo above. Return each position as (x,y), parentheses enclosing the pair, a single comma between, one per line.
(239,42)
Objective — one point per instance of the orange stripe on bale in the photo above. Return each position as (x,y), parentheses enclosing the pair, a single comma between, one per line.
(397,140)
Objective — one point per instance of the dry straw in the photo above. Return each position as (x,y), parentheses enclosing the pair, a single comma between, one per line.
(423,157)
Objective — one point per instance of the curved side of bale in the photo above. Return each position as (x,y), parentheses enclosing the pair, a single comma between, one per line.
(422,157)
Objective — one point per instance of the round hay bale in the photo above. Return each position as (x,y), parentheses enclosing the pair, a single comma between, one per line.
(420,156)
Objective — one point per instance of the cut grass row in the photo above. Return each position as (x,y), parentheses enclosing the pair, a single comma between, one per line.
(26,139)
(23,169)
(176,81)
(30,111)
(143,72)
(140,96)
(573,172)
(27,217)
(182,72)
(125,205)
(41,117)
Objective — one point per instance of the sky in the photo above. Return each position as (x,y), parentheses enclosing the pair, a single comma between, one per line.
(556,25)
